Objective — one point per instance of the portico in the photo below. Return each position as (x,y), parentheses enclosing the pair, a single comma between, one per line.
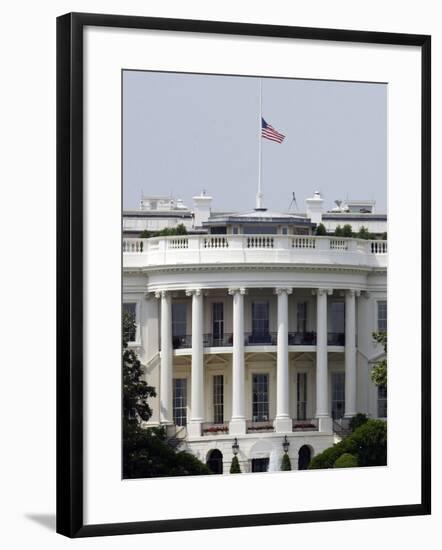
(279,345)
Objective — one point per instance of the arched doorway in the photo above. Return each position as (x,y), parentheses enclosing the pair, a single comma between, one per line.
(215,461)
(304,457)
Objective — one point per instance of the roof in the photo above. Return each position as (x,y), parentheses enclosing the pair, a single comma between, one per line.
(257,216)
(179,213)
(353,216)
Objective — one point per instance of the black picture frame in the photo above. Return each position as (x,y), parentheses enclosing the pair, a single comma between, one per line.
(70,273)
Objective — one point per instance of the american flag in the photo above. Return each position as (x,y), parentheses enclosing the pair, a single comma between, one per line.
(269,132)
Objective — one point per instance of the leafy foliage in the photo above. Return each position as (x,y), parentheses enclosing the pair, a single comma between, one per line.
(363,233)
(147,454)
(347,230)
(368,443)
(136,391)
(346,460)
(357,421)
(339,231)
(320,230)
(235,468)
(285,463)
(180,229)
(379,372)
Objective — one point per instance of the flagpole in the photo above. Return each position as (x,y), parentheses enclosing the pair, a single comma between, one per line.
(259,193)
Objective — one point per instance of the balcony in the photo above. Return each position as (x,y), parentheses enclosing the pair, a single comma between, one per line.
(260,249)
(258,339)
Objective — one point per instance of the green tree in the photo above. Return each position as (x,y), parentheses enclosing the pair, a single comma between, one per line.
(286,465)
(320,230)
(363,233)
(368,444)
(136,391)
(146,452)
(346,460)
(339,232)
(235,468)
(379,371)
(347,230)
(180,229)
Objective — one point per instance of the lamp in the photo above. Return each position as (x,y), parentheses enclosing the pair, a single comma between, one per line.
(286,444)
(235,446)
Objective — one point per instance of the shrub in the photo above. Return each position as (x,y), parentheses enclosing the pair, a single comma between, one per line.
(357,421)
(339,231)
(285,463)
(346,460)
(320,230)
(363,233)
(368,443)
(235,468)
(347,230)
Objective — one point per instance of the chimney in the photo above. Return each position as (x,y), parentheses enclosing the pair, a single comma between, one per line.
(314,207)
(202,205)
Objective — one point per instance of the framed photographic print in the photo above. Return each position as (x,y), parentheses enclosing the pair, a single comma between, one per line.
(243,220)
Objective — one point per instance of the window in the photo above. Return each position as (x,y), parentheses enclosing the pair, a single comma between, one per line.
(180,401)
(301,316)
(382,402)
(218,399)
(260,318)
(260,397)
(130,309)
(285,231)
(338,317)
(338,394)
(382,316)
(218,322)
(179,319)
(235,230)
(301,395)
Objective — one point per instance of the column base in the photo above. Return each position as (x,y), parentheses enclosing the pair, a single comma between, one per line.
(237,426)
(194,428)
(325,424)
(349,415)
(283,425)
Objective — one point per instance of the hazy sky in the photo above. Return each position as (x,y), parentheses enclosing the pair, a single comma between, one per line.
(183,133)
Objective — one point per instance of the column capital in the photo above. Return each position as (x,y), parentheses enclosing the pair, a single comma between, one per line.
(366,294)
(322,291)
(160,293)
(240,290)
(352,292)
(280,290)
(193,291)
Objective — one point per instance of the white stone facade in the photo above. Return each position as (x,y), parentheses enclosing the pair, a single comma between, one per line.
(292,349)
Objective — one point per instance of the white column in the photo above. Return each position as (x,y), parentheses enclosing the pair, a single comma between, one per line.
(197,373)
(283,422)
(322,404)
(166,365)
(237,425)
(350,353)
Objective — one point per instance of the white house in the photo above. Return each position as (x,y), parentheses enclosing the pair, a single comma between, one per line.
(257,334)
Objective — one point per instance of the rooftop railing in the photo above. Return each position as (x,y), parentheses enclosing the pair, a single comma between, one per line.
(219,249)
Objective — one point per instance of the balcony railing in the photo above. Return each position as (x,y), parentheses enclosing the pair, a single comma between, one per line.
(228,249)
(258,339)
(336,339)
(218,341)
(181,342)
(302,338)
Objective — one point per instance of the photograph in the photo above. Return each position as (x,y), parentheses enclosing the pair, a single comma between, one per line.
(254,274)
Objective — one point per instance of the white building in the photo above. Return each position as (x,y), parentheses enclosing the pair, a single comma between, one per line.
(257,333)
